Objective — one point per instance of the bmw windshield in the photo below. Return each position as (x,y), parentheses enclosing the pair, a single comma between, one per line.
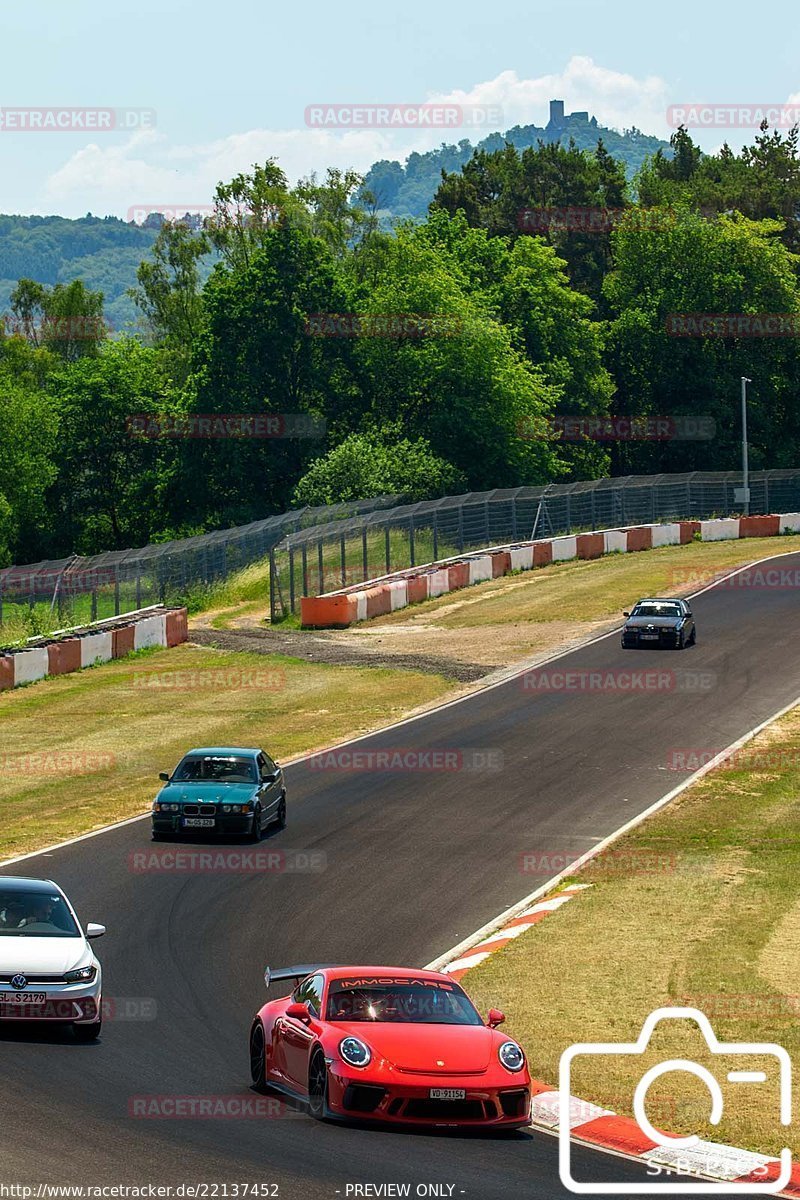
(215,769)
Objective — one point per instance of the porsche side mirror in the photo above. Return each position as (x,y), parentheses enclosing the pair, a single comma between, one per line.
(164,776)
(299,1012)
(495,1018)
(95,931)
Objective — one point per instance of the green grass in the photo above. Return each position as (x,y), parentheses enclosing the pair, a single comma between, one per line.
(80,751)
(698,907)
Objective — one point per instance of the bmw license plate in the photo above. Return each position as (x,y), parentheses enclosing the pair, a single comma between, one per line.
(22,999)
(448,1094)
(198,822)
(649,637)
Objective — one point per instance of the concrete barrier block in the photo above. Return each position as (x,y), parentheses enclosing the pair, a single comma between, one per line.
(177,626)
(30,665)
(122,640)
(6,672)
(417,588)
(564,548)
(590,545)
(667,535)
(64,657)
(615,541)
(480,569)
(688,530)
(398,594)
(327,612)
(719,530)
(790,522)
(150,631)
(640,538)
(361,605)
(459,575)
(768,525)
(501,563)
(379,601)
(96,648)
(542,553)
(522,558)
(439,582)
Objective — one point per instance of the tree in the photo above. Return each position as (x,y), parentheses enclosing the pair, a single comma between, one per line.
(378,464)
(28,439)
(169,293)
(66,319)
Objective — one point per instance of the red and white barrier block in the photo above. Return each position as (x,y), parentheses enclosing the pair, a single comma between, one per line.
(337,610)
(86,646)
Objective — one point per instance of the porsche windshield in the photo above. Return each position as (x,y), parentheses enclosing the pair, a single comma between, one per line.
(413,1004)
(35,914)
(657,610)
(216,769)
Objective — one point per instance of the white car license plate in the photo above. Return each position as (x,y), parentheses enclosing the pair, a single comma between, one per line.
(22,999)
(198,822)
(448,1094)
(649,637)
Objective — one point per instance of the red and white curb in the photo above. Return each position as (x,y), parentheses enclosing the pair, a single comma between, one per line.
(604,1130)
(523,921)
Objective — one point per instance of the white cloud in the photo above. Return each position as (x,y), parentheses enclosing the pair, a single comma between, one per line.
(148,169)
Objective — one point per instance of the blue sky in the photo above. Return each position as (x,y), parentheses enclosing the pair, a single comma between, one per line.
(230,83)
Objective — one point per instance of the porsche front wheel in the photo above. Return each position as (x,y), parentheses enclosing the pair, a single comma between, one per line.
(317,1086)
(258,1057)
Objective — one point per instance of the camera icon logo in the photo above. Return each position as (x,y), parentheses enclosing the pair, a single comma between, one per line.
(665,1141)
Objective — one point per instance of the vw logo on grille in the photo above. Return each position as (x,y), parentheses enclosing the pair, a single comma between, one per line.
(19,982)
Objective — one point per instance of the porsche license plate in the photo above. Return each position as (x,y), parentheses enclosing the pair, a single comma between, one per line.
(198,822)
(22,999)
(448,1094)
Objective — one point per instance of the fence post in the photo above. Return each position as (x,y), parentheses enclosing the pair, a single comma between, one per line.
(116,589)
(461,529)
(435,536)
(305,569)
(138,585)
(364,564)
(766,491)
(387,540)
(93,614)
(514,518)
(411,539)
(344,562)
(291,579)
(486,522)
(568,516)
(272,585)
(321,565)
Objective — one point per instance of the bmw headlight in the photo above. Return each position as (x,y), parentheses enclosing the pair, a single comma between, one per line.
(226,808)
(82,975)
(511,1056)
(354,1052)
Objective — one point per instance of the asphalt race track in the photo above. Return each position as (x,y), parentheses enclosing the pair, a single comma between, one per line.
(415,861)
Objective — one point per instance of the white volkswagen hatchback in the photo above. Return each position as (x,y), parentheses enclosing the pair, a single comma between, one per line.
(48,971)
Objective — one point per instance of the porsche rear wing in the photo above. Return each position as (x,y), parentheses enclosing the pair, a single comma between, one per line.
(279,974)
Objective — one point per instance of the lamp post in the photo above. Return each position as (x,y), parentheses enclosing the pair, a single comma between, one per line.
(745,461)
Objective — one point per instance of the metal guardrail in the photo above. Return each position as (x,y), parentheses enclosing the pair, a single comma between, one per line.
(85,589)
(325,557)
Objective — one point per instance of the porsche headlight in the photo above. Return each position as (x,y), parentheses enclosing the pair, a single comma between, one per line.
(354,1052)
(82,975)
(511,1056)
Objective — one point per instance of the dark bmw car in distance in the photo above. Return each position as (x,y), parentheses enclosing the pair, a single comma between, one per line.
(655,624)
(226,790)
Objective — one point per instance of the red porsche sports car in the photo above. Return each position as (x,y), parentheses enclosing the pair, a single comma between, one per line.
(389,1044)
